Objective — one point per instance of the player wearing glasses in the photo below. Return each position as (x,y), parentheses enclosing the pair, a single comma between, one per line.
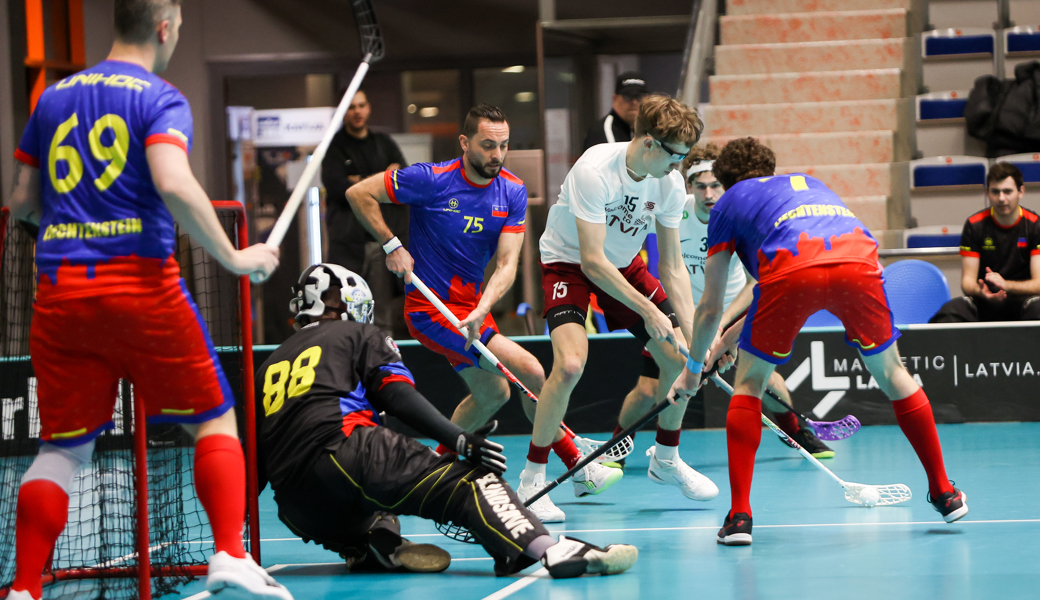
(612,198)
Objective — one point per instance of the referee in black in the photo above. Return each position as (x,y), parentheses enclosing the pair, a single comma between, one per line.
(629,91)
(340,478)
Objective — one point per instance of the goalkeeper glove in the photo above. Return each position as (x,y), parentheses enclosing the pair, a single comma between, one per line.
(477,449)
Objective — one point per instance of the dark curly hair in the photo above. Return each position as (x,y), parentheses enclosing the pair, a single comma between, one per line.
(743,158)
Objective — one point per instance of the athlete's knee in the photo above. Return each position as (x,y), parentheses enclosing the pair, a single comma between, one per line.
(645,390)
(59,464)
(569,369)
(494,395)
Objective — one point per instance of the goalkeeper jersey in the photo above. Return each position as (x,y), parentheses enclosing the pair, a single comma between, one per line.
(102,216)
(316,388)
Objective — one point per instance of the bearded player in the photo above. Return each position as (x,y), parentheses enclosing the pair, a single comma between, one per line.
(808,252)
(104,173)
(462,212)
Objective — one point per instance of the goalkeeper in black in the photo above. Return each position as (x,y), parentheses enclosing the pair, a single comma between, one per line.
(340,478)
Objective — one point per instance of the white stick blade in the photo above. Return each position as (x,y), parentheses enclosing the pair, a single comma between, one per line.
(620,450)
(887,495)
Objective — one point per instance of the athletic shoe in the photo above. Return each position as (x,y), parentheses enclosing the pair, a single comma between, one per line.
(543,508)
(807,439)
(676,472)
(736,531)
(233,578)
(595,478)
(573,558)
(951,505)
(20,595)
(395,553)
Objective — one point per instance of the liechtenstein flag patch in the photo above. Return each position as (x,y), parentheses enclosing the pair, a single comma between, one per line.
(1022,242)
(503,211)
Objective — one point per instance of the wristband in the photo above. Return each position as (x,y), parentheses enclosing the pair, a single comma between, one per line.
(392,244)
(694,366)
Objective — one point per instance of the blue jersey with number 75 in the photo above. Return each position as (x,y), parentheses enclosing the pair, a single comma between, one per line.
(454,224)
(87,136)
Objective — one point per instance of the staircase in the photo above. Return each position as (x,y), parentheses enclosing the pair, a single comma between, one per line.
(828,85)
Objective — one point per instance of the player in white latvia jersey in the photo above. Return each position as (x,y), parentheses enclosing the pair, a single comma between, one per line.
(703,190)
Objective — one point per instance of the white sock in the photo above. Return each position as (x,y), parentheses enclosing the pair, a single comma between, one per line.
(663,452)
(530,470)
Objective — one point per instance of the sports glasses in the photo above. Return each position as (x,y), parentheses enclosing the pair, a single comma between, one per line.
(673,154)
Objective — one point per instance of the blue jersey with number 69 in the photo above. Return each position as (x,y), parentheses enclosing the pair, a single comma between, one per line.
(454,223)
(87,136)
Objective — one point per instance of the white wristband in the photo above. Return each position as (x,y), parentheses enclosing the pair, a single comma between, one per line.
(392,245)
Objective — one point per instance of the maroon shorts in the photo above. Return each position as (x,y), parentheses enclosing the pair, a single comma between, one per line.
(852,291)
(563,284)
(155,338)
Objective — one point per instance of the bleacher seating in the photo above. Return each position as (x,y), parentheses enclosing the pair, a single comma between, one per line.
(946,187)
(953,58)
(935,236)
(916,290)
(1021,44)
(1029,164)
(940,125)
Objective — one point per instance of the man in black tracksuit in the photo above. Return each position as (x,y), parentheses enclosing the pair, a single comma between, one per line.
(339,476)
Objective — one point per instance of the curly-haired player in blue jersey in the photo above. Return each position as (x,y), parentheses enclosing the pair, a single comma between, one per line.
(104,173)
(808,252)
(462,212)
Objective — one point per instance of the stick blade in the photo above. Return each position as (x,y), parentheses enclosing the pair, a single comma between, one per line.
(370,36)
(831,431)
(893,493)
(457,533)
(619,451)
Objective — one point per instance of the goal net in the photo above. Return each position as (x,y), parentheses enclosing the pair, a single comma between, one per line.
(136,528)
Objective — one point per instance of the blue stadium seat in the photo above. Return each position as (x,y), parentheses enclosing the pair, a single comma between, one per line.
(1021,39)
(948,171)
(952,42)
(1028,163)
(916,290)
(941,105)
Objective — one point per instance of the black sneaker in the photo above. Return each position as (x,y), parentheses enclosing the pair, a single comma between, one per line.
(951,505)
(807,439)
(736,531)
(573,558)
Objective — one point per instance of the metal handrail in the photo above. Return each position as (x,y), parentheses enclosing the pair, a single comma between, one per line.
(906,252)
(700,48)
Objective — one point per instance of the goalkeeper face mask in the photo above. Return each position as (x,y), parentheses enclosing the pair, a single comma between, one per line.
(317,279)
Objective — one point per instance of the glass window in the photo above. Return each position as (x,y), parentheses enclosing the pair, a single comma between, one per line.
(431,105)
(514,90)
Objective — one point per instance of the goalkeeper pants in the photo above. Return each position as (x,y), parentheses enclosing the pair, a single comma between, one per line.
(376,470)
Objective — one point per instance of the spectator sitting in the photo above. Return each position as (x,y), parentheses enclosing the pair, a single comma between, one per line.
(1000,250)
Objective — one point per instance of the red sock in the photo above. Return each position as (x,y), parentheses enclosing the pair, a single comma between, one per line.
(914,415)
(538,454)
(743,434)
(788,421)
(442,449)
(567,451)
(667,437)
(220,479)
(43,508)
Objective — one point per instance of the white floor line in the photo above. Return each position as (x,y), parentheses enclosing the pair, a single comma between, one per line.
(276,568)
(199,596)
(516,586)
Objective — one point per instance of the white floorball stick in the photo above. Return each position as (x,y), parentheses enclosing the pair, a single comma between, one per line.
(857,493)
(372,50)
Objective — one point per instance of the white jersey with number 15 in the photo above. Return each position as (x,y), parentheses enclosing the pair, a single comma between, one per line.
(693,236)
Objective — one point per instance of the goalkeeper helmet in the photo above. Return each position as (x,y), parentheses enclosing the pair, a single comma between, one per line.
(313,282)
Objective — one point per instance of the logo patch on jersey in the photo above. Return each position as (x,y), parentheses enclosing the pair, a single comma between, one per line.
(499,211)
(987,244)
(393,345)
(453,203)
(1022,242)
(649,205)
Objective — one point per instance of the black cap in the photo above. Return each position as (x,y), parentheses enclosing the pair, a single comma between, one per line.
(631,85)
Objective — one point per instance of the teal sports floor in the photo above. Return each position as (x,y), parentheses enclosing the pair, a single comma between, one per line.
(809,542)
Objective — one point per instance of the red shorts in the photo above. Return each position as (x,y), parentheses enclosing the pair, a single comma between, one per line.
(434,331)
(852,291)
(154,338)
(563,284)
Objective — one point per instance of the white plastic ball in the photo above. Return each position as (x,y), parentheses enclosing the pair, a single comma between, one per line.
(869,496)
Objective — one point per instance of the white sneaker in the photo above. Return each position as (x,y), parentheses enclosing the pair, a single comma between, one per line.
(574,558)
(20,595)
(543,508)
(595,478)
(676,472)
(233,578)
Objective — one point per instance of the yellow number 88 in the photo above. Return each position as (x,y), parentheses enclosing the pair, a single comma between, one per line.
(299,379)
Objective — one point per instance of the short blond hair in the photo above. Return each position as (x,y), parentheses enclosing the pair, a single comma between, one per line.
(666,119)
